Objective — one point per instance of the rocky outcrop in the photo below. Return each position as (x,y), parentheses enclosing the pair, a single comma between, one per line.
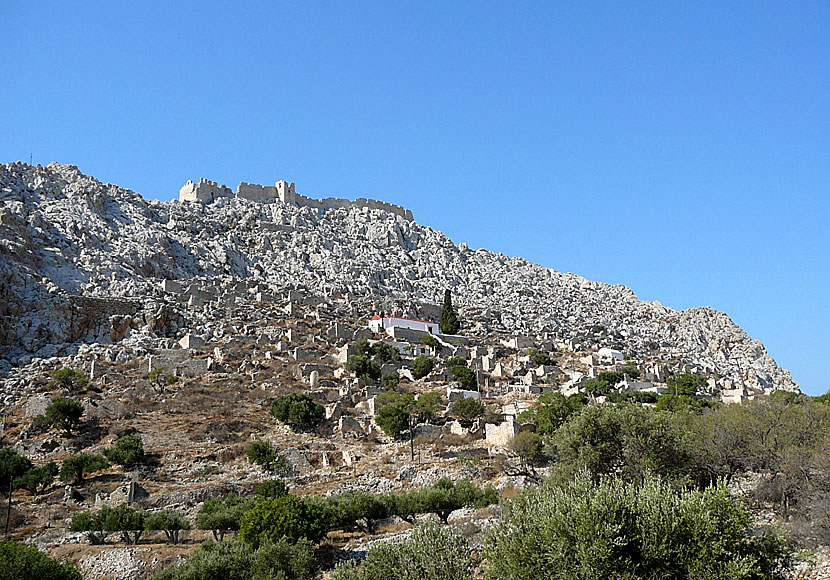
(65,235)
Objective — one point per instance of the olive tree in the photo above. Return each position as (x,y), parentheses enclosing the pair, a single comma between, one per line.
(76,467)
(168,521)
(128,451)
(69,379)
(298,410)
(431,552)
(12,466)
(19,562)
(422,365)
(64,413)
(614,529)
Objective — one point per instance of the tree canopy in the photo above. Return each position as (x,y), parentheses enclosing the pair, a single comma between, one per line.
(19,562)
(64,413)
(298,409)
(612,529)
(449,323)
(69,379)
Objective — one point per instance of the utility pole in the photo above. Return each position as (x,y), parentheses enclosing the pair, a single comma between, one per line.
(30,158)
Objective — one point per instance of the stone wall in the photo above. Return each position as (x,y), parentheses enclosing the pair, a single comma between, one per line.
(255,192)
(207,191)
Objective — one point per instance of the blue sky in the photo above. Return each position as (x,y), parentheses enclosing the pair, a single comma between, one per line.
(681,149)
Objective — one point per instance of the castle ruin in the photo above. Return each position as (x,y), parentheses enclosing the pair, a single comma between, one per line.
(207,191)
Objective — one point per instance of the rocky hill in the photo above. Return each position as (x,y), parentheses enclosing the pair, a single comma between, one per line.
(71,246)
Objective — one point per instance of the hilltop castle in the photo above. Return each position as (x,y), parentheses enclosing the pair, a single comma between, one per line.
(206,191)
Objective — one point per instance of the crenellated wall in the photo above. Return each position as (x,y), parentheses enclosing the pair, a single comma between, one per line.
(208,191)
(205,191)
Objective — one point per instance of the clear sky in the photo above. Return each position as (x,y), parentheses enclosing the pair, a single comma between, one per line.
(681,149)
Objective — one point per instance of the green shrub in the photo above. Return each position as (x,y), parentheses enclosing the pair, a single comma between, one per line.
(160,379)
(385,352)
(235,560)
(685,384)
(37,479)
(289,516)
(422,365)
(431,341)
(393,412)
(527,445)
(468,408)
(76,467)
(71,380)
(169,521)
(613,529)
(123,519)
(91,524)
(362,346)
(263,453)
(636,396)
(128,451)
(465,377)
(222,515)
(539,358)
(626,440)
(391,382)
(285,560)
(231,560)
(363,367)
(64,413)
(361,509)
(427,405)
(19,562)
(271,488)
(431,552)
(630,370)
(676,403)
(596,387)
(443,498)
(611,378)
(12,466)
(552,410)
(298,410)
(455,361)
(40,424)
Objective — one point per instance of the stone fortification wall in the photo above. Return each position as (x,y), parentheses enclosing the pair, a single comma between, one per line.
(339,203)
(205,191)
(208,191)
(255,192)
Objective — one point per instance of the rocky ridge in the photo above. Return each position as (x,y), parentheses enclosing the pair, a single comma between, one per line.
(70,244)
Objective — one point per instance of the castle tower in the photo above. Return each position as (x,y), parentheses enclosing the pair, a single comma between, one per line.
(286,192)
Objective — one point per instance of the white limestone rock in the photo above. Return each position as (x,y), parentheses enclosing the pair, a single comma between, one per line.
(64,234)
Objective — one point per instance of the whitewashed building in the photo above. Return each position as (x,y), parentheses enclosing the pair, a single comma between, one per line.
(378,324)
(609,354)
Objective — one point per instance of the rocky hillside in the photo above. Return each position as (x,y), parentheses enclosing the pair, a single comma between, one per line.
(66,238)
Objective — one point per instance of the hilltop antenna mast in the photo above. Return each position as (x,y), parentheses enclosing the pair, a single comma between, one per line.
(30,158)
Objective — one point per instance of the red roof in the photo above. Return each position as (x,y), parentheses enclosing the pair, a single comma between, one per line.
(375,317)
